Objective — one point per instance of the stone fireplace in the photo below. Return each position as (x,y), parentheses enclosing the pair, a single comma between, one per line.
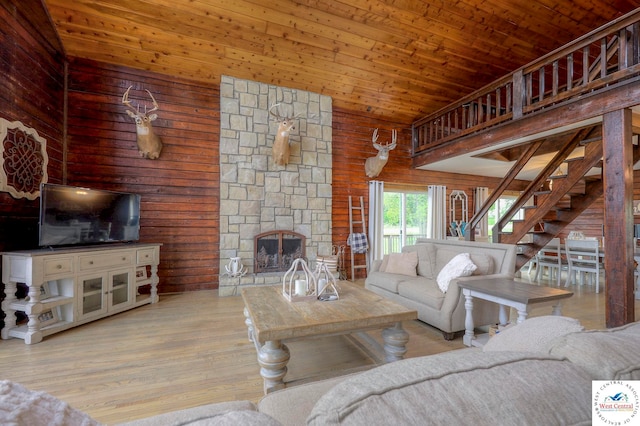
(259,197)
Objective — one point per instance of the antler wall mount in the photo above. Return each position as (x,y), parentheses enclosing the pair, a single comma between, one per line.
(149,143)
(281,149)
(373,165)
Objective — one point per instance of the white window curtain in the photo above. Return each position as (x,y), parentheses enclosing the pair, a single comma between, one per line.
(376,220)
(437,217)
(480,196)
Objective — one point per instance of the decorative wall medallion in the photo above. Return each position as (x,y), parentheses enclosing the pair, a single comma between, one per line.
(23,163)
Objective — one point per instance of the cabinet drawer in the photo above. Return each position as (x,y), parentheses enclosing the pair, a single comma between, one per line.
(58,266)
(145,256)
(105,260)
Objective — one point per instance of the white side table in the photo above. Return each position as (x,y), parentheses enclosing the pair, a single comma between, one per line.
(508,293)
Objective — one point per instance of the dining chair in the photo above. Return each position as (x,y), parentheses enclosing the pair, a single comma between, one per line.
(550,257)
(585,260)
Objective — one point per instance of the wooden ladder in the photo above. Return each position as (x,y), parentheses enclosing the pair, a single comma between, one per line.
(360,222)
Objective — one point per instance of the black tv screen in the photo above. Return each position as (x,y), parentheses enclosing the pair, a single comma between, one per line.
(72,215)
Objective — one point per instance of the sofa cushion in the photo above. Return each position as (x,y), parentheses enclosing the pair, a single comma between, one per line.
(459,266)
(220,414)
(444,256)
(460,387)
(426,258)
(386,281)
(484,263)
(402,263)
(291,406)
(612,354)
(422,290)
(533,335)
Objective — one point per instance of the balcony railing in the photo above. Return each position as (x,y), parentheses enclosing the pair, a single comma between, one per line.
(589,64)
(393,243)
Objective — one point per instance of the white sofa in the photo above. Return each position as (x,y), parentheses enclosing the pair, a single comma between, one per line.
(538,372)
(417,288)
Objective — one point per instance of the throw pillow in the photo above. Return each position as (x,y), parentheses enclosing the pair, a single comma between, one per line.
(403,263)
(612,354)
(533,335)
(460,266)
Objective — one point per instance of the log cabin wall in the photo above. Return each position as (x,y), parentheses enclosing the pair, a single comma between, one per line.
(352,145)
(32,92)
(180,189)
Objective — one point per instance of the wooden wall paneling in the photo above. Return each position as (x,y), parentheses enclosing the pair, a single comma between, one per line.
(180,189)
(352,145)
(32,92)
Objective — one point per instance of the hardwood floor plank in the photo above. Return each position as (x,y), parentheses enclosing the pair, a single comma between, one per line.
(192,349)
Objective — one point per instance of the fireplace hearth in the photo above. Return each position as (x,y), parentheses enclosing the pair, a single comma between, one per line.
(275,251)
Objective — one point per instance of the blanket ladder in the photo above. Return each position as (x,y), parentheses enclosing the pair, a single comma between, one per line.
(354,208)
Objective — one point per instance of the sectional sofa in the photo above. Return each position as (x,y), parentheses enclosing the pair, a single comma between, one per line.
(539,372)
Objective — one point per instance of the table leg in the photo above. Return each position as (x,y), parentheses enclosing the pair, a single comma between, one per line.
(468,320)
(522,315)
(273,357)
(249,324)
(503,315)
(395,342)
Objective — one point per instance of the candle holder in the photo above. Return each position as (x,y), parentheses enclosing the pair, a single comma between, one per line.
(299,283)
(326,282)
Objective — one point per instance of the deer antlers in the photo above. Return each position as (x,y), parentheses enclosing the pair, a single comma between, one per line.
(281,150)
(373,165)
(127,102)
(149,144)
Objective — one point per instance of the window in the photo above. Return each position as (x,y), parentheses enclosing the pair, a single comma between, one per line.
(498,209)
(405,218)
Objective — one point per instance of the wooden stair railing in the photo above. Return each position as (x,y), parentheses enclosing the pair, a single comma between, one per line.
(549,201)
(502,186)
(584,66)
(534,186)
(546,201)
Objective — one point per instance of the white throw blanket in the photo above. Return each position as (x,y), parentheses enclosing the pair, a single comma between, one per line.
(20,406)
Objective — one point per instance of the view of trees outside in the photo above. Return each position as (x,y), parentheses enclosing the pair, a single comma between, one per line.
(498,209)
(405,215)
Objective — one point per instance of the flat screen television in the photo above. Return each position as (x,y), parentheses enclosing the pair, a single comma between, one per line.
(72,215)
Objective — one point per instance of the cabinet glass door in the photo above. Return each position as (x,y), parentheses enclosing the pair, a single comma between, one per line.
(92,292)
(120,294)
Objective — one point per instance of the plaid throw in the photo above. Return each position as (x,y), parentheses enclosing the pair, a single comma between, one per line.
(358,242)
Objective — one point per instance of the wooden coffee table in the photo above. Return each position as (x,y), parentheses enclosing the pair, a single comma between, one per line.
(271,320)
(506,292)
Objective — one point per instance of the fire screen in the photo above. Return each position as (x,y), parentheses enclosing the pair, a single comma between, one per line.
(275,251)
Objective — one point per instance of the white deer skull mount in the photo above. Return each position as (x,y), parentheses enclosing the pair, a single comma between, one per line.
(149,144)
(281,149)
(373,165)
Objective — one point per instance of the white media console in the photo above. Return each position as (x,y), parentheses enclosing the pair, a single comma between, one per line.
(72,286)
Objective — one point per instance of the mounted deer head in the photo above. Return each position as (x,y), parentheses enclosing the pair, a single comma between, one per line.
(373,166)
(149,144)
(281,150)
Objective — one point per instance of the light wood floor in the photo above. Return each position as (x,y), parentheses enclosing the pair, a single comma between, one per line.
(192,349)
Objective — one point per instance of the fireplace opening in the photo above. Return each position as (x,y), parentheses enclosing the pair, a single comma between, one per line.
(275,251)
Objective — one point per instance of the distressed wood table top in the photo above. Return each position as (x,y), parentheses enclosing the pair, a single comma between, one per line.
(517,291)
(275,318)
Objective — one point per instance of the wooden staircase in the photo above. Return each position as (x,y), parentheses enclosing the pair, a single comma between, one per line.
(554,198)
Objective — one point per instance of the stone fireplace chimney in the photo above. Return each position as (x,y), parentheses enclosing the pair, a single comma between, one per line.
(258,196)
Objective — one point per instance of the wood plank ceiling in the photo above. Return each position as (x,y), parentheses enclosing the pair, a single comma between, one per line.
(399,59)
